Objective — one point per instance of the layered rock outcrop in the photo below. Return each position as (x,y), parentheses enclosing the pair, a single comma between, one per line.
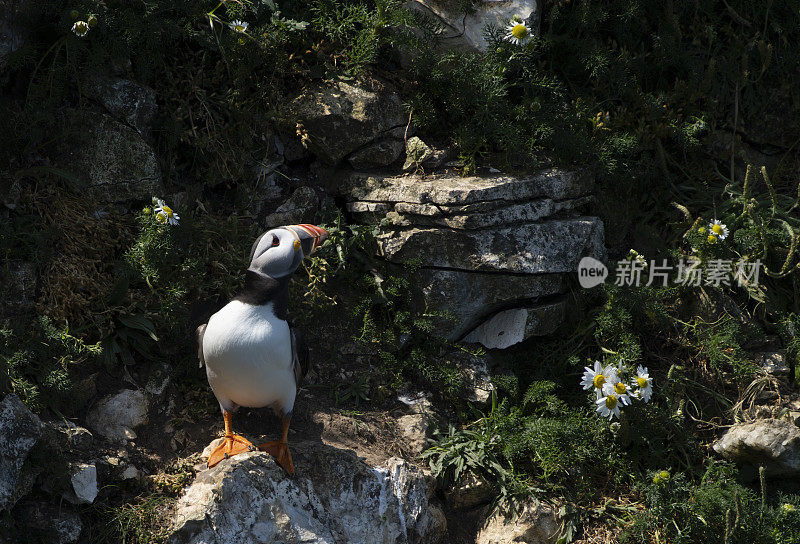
(494,250)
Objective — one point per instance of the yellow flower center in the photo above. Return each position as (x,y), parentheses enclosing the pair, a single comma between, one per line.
(712,239)
(641,381)
(161,218)
(701,230)
(519,31)
(620,388)
(167,210)
(611,402)
(238,28)
(599,380)
(717,229)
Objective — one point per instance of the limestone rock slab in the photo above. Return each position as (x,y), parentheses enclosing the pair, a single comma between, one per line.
(553,246)
(449,189)
(339,118)
(774,443)
(20,429)
(332,498)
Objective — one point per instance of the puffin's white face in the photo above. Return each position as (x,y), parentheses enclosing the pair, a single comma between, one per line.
(278,252)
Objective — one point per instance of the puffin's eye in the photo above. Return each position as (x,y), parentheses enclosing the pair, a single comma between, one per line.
(275,241)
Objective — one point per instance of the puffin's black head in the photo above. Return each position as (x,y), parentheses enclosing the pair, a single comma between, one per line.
(278,252)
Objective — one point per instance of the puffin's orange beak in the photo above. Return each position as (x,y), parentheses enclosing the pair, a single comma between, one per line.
(311,237)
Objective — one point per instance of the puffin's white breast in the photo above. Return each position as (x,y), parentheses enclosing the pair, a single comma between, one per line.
(248,355)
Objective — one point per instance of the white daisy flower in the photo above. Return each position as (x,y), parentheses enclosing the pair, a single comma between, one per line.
(238,26)
(617,389)
(643,384)
(719,229)
(80,28)
(597,378)
(608,406)
(634,255)
(164,213)
(518,32)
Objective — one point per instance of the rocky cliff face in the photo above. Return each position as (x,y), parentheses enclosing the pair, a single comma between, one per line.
(494,250)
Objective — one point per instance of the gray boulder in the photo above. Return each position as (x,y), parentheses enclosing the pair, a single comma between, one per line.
(47,522)
(494,250)
(337,119)
(20,429)
(301,207)
(773,443)
(115,416)
(420,155)
(381,153)
(465,31)
(332,498)
(84,483)
(112,159)
(533,524)
(125,100)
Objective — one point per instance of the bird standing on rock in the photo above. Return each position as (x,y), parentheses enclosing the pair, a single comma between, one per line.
(253,358)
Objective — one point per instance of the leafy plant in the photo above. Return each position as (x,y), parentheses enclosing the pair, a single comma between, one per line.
(129,333)
(454,453)
(357,391)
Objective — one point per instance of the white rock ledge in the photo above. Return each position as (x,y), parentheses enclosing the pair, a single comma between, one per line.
(333,498)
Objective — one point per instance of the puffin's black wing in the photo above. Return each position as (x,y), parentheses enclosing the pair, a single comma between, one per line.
(300,358)
(201,330)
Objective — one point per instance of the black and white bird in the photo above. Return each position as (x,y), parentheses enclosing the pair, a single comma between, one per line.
(253,358)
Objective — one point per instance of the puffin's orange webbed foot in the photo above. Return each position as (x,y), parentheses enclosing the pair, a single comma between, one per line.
(231,445)
(280,451)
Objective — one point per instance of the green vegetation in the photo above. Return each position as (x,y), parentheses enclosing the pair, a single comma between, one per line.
(40,366)
(679,512)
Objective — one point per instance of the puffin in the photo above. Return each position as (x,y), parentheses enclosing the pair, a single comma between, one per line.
(253,357)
